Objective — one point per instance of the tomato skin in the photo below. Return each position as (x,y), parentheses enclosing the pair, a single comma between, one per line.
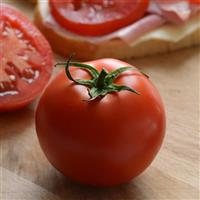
(94,28)
(195,1)
(27,92)
(104,142)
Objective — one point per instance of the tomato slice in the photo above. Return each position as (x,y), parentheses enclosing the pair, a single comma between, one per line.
(97,17)
(26,60)
(195,1)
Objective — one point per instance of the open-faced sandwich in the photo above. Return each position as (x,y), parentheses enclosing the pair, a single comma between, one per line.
(119,28)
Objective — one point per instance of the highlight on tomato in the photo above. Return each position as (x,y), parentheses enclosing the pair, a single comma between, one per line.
(101,122)
(26,60)
(97,17)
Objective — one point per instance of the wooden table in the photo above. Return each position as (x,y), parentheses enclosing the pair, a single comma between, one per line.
(25,174)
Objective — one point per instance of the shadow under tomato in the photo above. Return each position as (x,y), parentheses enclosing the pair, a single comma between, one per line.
(64,188)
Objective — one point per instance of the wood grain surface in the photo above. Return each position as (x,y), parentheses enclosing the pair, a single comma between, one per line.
(25,173)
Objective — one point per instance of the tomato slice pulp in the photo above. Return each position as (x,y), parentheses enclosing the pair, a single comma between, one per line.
(26,60)
(97,17)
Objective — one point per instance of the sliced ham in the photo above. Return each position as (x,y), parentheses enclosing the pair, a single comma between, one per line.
(175,11)
(144,25)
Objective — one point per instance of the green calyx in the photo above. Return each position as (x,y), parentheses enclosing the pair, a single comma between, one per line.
(101,83)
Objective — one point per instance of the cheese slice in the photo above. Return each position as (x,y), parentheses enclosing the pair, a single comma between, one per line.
(171,33)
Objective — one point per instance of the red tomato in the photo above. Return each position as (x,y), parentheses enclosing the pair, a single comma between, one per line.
(195,1)
(97,17)
(26,60)
(106,141)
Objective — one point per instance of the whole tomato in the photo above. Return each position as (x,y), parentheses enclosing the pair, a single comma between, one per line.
(100,123)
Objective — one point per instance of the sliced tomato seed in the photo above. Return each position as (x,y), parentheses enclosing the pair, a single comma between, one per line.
(18,58)
(98,4)
(29,73)
(103,4)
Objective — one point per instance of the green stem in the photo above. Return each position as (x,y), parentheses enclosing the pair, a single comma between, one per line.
(101,83)
(101,79)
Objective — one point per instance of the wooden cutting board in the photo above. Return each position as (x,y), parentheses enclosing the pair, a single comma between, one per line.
(25,174)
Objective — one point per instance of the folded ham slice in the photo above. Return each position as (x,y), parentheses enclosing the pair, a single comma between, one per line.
(144,25)
(175,11)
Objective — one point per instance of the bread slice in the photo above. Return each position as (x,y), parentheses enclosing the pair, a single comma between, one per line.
(162,40)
